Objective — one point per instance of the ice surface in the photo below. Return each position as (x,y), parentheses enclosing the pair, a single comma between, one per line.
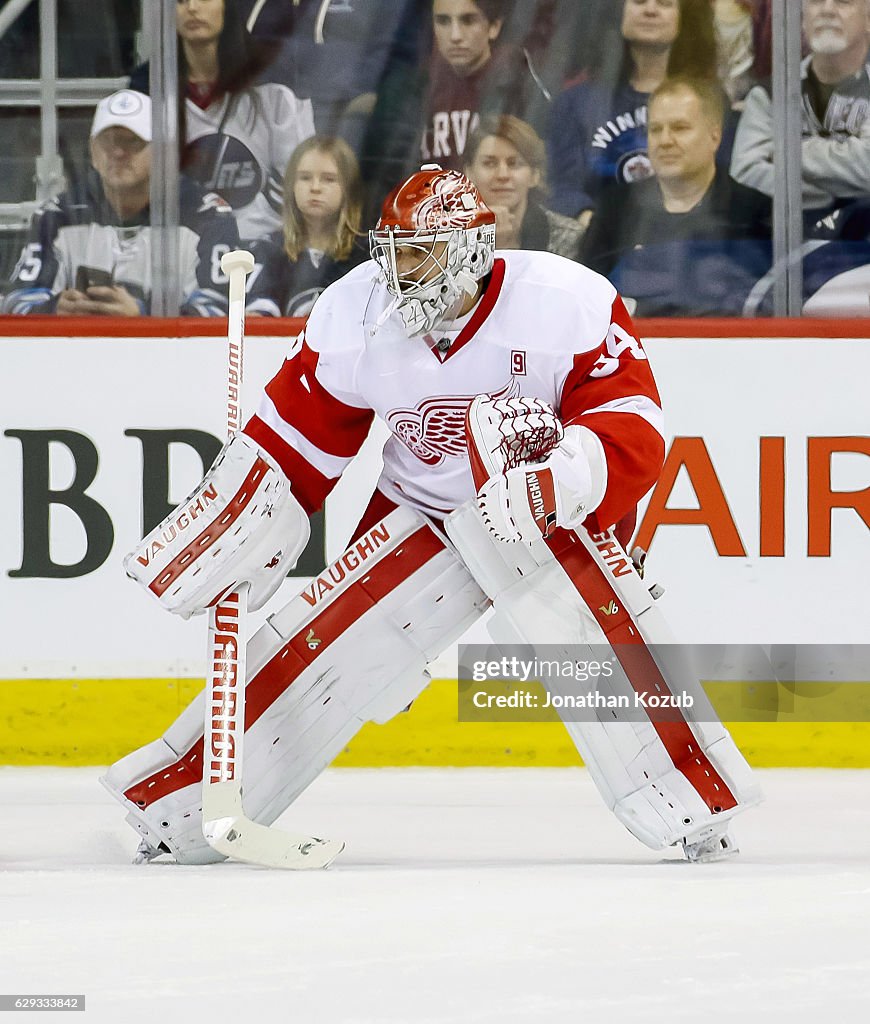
(467,896)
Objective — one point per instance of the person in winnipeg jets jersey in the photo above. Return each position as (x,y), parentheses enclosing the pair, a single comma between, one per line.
(239,132)
(525,423)
(598,126)
(89,249)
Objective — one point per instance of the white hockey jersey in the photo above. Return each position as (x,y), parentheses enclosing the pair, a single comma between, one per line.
(239,147)
(545,328)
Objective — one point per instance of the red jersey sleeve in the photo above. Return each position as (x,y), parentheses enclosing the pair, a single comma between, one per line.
(611,391)
(312,434)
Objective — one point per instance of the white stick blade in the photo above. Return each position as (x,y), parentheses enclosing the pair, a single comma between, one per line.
(247,841)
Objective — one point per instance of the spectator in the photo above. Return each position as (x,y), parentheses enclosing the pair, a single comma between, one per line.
(89,252)
(558,39)
(835,88)
(95,39)
(320,240)
(469,77)
(762,40)
(238,136)
(835,268)
(336,53)
(734,40)
(598,127)
(506,159)
(656,229)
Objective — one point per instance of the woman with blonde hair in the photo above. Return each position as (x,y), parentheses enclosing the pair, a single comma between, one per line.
(507,160)
(320,240)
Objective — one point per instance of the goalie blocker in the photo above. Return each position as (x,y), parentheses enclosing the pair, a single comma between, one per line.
(241,524)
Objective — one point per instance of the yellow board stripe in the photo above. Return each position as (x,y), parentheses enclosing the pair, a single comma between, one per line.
(96,721)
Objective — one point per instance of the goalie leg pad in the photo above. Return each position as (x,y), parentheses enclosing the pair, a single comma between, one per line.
(351,647)
(666,780)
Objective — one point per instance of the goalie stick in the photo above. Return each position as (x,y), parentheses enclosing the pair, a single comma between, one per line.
(224,824)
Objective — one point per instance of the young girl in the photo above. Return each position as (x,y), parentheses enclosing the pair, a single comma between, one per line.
(320,240)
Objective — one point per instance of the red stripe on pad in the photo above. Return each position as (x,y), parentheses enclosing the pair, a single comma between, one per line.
(203,541)
(641,669)
(296,654)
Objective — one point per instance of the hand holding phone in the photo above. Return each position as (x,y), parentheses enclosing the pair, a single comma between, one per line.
(92,277)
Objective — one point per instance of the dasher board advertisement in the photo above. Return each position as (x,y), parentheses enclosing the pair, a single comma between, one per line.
(759,528)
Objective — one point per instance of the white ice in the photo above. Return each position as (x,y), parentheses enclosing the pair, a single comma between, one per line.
(464,896)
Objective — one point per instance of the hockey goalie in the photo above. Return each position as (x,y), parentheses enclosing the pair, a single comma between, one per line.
(525,427)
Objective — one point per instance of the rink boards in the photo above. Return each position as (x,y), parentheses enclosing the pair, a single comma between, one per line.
(757,530)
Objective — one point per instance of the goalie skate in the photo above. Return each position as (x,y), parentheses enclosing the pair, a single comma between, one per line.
(716,846)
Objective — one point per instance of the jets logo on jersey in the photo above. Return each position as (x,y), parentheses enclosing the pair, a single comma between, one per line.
(634,167)
(225,165)
(302,303)
(435,429)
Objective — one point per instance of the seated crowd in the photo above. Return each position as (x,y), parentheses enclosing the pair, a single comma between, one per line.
(635,136)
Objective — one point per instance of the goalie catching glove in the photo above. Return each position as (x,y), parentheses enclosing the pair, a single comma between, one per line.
(532,475)
(241,524)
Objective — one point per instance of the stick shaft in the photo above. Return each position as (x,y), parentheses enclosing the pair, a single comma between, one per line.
(227,634)
(224,824)
(237,265)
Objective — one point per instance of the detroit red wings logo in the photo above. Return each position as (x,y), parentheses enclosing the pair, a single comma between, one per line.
(436,428)
(454,203)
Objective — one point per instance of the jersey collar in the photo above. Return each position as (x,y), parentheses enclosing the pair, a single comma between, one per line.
(480,314)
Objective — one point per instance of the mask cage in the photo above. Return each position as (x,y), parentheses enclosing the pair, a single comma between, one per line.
(385,244)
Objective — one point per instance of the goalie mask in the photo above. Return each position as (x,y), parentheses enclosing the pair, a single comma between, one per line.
(434,242)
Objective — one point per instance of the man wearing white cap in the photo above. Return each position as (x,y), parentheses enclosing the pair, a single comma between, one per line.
(89,251)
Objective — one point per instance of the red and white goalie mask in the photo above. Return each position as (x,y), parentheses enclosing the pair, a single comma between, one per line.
(434,242)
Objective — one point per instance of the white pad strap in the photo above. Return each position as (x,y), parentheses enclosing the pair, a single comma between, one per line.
(581,439)
(666,781)
(351,647)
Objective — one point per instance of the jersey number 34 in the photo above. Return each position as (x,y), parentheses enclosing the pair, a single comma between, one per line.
(617,342)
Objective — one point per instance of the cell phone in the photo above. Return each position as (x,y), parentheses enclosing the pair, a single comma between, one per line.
(92,277)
